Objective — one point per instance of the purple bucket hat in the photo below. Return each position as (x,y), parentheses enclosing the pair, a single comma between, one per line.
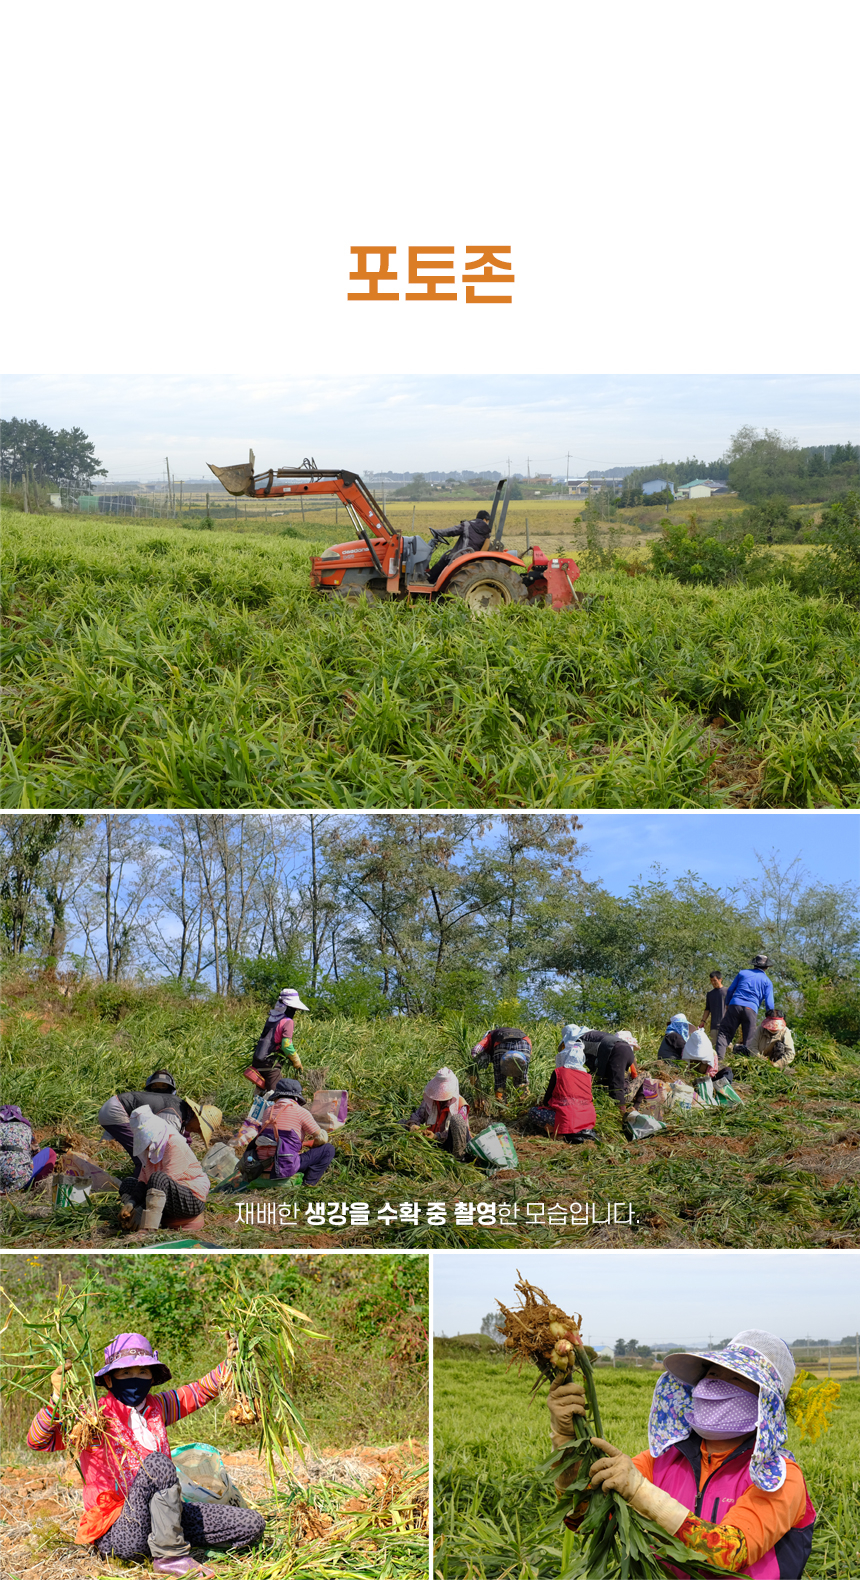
(761,1358)
(132,1349)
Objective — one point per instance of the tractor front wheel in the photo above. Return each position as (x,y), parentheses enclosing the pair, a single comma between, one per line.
(487,586)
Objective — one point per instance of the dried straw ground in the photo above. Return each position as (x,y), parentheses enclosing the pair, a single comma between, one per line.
(362,1495)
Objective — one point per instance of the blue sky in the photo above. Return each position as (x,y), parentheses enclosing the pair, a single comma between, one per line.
(690,1297)
(428,423)
(719,846)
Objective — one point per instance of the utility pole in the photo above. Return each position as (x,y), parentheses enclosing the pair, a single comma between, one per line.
(528,468)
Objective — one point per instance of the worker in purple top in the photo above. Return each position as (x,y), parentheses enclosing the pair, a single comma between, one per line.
(748,990)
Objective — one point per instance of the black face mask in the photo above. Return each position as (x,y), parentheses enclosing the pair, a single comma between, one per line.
(131,1390)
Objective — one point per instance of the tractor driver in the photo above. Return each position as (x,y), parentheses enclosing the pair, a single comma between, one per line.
(471,537)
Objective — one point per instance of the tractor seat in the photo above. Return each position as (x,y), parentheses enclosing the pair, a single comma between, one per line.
(416,555)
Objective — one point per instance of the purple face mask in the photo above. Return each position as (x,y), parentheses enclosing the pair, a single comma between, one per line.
(722,1409)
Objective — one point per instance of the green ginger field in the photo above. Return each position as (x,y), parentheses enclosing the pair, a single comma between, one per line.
(488,1437)
(153,666)
(781,1171)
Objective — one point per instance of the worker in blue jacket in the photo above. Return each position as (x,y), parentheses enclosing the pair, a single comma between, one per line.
(748,990)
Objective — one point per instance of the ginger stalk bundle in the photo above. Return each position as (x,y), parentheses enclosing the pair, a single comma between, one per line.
(615,1541)
(59,1340)
(264,1339)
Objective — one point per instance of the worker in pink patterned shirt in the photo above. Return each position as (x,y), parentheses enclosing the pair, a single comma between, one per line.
(132,1497)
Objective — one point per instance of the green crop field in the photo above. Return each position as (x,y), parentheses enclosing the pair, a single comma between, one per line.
(154,666)
(488,1437)
(779,1172)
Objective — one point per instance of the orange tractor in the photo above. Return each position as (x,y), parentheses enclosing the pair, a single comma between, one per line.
(386,563)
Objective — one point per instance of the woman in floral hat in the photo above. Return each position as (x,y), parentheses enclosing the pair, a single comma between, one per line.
(715,1474)
(132,1498)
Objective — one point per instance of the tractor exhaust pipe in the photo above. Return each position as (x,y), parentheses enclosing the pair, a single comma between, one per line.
(236,479)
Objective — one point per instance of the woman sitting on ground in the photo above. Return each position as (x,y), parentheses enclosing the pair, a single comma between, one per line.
(718,1421)
(443,1113)
(132,1497)
(171,1177)
(301,1145)
(675,1037)
(568,1103)
(772,1040)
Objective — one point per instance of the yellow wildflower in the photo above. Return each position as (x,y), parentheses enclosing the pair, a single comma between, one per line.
(810,1407)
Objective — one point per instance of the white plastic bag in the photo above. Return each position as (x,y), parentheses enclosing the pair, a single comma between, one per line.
(203,1476)
(638,1126)
(699,1047)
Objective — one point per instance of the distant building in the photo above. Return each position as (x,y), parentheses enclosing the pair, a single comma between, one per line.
(701,488)
(581,487)
(541,477)
(657,485)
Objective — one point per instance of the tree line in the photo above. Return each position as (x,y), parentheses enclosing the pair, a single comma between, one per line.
(374,914)
(760,464)
(29,450)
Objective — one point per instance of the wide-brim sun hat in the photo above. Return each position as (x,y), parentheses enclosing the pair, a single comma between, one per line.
(133,1349)
(753,1354)
(291,998)
(208,1118)
(628,1037)
(442,1086)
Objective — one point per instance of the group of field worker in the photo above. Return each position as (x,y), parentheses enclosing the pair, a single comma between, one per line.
(283,1138)
(280,1139)
(586,1054)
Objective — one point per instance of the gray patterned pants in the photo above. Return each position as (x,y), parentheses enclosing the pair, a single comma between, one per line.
(155,1520)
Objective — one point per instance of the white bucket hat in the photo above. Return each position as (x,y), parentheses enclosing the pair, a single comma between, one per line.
(443,1086)
(290,997)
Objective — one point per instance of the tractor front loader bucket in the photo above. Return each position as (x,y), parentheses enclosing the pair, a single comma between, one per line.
(236,479)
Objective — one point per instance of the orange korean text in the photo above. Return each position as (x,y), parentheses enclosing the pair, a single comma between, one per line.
(431,275)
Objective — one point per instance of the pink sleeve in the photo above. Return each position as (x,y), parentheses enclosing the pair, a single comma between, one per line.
(43,1435)
(284,1029)
(176,1403)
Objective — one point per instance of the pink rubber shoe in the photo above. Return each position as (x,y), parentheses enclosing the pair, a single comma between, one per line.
(182,1566)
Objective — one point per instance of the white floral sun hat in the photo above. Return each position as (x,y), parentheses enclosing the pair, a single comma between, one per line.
(758,1356)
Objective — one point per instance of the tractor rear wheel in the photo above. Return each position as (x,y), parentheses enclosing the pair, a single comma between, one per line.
(487,585)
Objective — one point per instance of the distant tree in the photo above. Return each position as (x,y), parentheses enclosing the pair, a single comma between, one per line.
(491,1324)
(36,854)
(67,457)
(515,492)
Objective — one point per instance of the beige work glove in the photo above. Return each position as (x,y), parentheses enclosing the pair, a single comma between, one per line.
(617,1473)
(566,1399)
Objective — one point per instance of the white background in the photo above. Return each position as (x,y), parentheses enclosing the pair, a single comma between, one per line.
(677,182)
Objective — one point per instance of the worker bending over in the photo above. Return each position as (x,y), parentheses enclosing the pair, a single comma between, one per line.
(509,1050)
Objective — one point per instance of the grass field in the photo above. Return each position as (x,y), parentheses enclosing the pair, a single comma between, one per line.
(362,1392)
(151,666)
(488,1438)
(784,1170)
